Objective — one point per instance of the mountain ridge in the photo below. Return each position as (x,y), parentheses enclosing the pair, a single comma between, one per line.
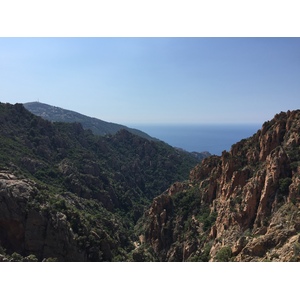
(99,127)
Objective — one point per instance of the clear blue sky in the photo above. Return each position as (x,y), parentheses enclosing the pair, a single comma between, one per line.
(155,80)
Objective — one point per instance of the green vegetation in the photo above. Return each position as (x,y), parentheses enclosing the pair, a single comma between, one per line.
(102,184)
(98,127)
(284,184)
(204,256)
(96,190)
(188,203)
(224,254)
(208,219)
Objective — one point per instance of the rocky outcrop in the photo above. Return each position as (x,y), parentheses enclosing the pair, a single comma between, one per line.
(254,192)
(159,230)
(27,227)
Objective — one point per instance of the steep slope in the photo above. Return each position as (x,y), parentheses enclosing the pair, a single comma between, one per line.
(67,194)
(99,127)
(241,206)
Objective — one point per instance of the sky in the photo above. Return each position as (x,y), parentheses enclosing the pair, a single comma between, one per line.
(155,80)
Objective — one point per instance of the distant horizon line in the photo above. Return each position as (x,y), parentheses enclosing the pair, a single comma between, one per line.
(193,124)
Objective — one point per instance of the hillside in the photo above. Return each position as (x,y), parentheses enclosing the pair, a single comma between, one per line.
(98,127)
(240,206)
(69,195)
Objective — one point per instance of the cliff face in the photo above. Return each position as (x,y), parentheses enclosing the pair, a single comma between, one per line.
(26,228)
(241,206)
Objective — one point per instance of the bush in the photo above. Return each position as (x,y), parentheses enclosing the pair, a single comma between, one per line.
(2,250)
(205,256)
(51,259)
(284,184)
(208,219)
(224,254)
(16,257)
(294,165)
(30,258)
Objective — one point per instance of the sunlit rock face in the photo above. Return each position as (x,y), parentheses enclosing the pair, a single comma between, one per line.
(253,192)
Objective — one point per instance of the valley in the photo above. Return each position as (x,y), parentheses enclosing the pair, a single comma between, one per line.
(67,194)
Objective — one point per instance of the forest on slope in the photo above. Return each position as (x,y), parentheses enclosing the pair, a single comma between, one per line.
(68,195)
(98,127)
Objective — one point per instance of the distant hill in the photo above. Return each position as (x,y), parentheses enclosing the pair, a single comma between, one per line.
(99,127)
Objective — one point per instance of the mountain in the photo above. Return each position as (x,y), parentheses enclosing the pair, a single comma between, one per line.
(240,206)
(69,195)
(99,127)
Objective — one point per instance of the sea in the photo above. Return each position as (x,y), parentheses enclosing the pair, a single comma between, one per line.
(212,138)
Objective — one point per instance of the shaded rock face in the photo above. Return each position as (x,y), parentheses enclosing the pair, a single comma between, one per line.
(159,231)
(254,190)
(33,230)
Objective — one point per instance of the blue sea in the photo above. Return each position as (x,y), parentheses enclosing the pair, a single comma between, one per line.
(211,138)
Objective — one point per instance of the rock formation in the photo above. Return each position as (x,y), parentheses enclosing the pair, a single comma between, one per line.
(241,206)
(26,228)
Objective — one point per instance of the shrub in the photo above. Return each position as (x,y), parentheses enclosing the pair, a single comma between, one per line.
(30,258)
(16,257)
(51,259)
(207,218)
(60,204)
(224,254)
(2,250)
(294,165)
(205,256)
(284,184)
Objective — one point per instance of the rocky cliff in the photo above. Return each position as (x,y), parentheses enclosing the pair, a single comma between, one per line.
(241,206)
(27,228)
